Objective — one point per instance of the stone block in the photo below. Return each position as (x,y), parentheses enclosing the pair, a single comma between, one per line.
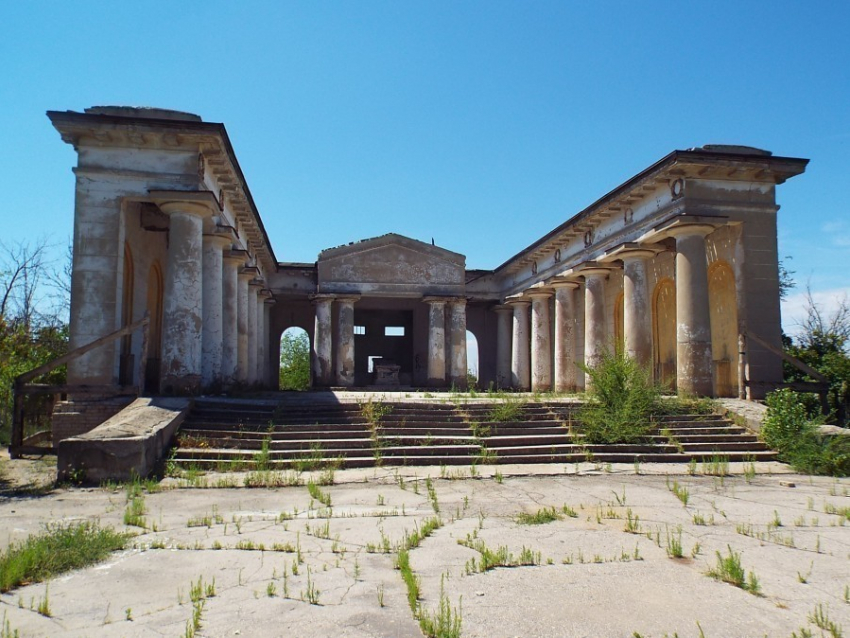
(125,446)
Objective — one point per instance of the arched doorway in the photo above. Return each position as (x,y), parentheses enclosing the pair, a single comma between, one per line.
(126,367)
(619,326)
(472,358)
(154,307)
(664,333)
(723,306)
(294,372)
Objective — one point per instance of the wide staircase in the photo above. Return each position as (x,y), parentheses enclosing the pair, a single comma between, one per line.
(302,433)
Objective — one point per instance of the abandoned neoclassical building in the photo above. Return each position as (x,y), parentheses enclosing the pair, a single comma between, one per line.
(673,265)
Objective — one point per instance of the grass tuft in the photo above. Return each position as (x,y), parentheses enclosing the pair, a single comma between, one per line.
(60,548)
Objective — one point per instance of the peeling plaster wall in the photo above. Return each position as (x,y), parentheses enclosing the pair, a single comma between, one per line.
(106,179)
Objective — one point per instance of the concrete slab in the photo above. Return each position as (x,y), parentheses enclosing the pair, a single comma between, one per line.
(267,549)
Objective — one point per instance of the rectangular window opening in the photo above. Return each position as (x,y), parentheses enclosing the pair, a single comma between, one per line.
(394,331)
(360,330)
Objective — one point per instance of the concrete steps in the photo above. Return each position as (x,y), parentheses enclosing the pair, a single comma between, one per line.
(233,434)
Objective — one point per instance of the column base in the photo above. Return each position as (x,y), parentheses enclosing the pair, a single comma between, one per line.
(185,385)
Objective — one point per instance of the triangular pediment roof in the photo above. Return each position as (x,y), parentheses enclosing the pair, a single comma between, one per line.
(392,239)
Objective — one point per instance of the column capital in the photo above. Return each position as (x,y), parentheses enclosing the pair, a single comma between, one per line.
(437,300)
(249,273)
(348,299)
(517,300)
(457,301)
(200,203)
(236,256)
(538,291)
(631,250)
(682,225)
(559,284)
(215,239)
(502,308)
(322,297)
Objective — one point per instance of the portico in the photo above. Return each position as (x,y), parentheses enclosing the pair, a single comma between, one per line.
(670,266)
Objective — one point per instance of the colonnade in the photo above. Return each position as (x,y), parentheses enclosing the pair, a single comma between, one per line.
(329,369)
(215,306)
(527,358)
(333,351)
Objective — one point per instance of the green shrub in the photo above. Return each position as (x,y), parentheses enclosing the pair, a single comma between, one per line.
(622,400)
(294,361)
(788,430)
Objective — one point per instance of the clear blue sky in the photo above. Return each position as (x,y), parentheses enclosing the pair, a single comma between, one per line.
(480,124)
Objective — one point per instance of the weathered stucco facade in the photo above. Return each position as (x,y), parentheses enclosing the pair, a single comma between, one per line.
(673,266)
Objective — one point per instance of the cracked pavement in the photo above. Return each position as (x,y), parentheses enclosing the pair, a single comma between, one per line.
(595,578)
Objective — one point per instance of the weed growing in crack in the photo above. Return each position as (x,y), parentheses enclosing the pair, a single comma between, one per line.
(820,618)
(540,517)
(674,543)
(446,621)
(318,494)
(680,491)
(729,570)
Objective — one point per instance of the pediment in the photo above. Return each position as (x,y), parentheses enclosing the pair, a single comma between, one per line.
(390,264)
(389,240)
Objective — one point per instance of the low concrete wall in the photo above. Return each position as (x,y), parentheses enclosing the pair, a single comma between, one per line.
(126,445)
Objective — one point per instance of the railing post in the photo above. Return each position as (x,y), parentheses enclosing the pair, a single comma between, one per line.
(17,420)
(742,366)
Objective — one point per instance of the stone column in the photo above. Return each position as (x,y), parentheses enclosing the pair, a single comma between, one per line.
(253,289)
(272,365)
(637,313)
(693,323)
(212,334)
(436,341)
(541,344)
(520,353)
(323,341)
(182,316)
(345,341)
(262,338)
(503,345)
(245,275)
(565,336)
(594,316)
(229,315)
(457,362)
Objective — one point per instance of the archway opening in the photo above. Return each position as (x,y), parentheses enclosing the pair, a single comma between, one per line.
(664,333)
(294,372)
(126,365)
(619,323)
(472,366)
(723,306)
(154,307)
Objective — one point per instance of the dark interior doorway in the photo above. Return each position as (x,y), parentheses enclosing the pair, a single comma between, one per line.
(382,336)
